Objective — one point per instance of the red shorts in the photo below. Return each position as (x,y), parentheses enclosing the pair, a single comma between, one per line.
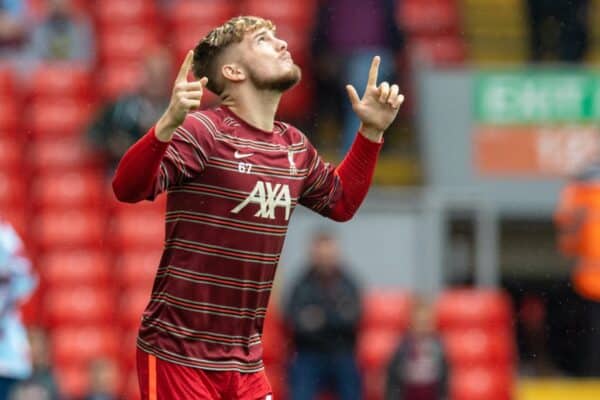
(162,380)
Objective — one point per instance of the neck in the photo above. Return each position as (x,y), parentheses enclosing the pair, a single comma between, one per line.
(256,107)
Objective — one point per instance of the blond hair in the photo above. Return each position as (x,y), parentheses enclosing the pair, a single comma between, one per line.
(207,52)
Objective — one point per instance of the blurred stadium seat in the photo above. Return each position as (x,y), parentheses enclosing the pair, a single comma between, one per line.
(58,118)
(76,305)
(69,229)
(131,305)
(73,380)
(61,79)
(7,82)
(75,267)
(375,348)
(189,13)
(386,310)
(120,78)
(11,155)
(68,189)
(298,14)
(110,13)
(481,384)
(126,44)
(471,308)
(55,156)
(137,268)
(9,117)
(13,189)
(137,230)
(428,16)
(476,347)
(77,346)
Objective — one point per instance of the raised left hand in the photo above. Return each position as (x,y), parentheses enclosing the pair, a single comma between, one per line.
(379,105)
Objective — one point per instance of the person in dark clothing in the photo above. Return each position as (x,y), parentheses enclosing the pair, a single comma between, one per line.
(323,312)
(559,29)
(347,34)
(123,121)
(418,369)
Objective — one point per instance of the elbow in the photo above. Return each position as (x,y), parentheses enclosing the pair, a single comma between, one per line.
(341,216)
(123,195)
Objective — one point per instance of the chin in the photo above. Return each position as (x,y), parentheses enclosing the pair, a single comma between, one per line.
(282,83)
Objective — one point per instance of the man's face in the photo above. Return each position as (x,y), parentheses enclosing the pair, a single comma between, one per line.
(267,61)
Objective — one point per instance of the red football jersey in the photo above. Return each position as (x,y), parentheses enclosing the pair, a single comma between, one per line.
(231,190)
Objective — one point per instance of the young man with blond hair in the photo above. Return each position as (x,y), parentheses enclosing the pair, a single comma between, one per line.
(233,176)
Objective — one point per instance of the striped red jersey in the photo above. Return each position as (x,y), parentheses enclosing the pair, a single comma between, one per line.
(231,190)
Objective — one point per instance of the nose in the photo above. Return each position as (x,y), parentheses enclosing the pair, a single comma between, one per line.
(282,45)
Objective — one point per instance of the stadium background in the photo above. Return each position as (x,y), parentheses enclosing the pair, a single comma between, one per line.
(417,233)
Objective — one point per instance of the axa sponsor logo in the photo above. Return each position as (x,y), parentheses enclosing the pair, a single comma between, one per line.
(268,197)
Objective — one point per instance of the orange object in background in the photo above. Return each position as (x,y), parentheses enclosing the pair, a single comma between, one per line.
(577,218)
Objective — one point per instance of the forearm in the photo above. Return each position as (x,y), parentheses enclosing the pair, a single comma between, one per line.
(355,173)
(136,174)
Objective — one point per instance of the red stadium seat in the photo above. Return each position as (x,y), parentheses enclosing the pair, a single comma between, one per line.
(127,359)
(68,189)
(481,384)
(49,156)
(74,267)
(72,380)
(12,189)
(374,384)
(376,347)
(132,304)
(69,229)
(17,216)
(479,348)
(130,12)
(61,80)
(473,308)
(437,50)
(137,268)
(300,14)
(80,345)
(9,117)
(59,118)
(120,78)
(386,310)
(138,230)
(126,44)
(132,387)
(188,13)
(7,82)
(428,16)
(186,38)
(11,154)
(78,305)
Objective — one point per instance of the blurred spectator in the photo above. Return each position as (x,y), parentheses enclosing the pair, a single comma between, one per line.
(12,27)
(125,120)
(323,312)
(559,29)
(42,381)
(348,34)
(418,369)
(104,380)
(63,35)
(16,284)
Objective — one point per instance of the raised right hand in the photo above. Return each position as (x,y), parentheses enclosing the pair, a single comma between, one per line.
(186,97)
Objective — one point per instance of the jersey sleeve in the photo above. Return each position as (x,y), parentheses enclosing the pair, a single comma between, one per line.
(185,157)
(322,187)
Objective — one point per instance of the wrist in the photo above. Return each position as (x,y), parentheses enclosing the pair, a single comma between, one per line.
(165,128)
(371,133)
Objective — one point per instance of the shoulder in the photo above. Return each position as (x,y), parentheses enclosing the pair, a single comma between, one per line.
(209,120)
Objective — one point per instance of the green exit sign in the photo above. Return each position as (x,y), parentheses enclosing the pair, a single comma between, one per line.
(536,97)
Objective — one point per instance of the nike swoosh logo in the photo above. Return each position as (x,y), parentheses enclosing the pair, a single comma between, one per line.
(239,155)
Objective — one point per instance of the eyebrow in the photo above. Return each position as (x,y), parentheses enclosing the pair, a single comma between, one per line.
(261,31)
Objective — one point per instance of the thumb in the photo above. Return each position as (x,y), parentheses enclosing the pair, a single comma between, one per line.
(353,95)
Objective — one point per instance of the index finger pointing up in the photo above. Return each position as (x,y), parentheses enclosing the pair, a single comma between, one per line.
(374,71)
(185,67)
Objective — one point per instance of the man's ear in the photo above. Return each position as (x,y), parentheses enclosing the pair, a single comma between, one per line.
(233,72)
